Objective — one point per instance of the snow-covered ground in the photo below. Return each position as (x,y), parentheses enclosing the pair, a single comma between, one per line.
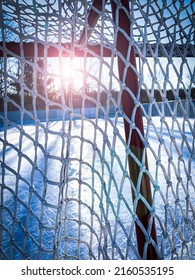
(65,189)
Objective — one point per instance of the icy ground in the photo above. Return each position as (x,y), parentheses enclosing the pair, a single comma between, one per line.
(65,190)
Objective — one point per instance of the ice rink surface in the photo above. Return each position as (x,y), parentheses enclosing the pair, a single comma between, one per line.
(65,189)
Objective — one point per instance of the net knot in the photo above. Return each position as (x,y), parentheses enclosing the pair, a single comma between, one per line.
(184,137)
(112,153)
(146,144)
(120,196)
(166,206)
(136,103)
(116,131)
(174,251)
(175,225)
(161,140)
(143,168)
(189,177)
(158,162)
(179,179)
(169,183)
(170,159)
(132,125)
(187,221)
(20,153)
(165,234)
(148,238)
(177,201)
(152,100)
(64,161)
(156,187)
(138,195)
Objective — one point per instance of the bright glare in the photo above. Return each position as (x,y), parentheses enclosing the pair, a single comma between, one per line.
(75,73)
(66,74)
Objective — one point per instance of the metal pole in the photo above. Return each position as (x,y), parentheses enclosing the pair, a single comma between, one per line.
(121,17)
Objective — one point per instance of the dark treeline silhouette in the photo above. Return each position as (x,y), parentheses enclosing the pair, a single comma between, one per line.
(78,100)
(36,90)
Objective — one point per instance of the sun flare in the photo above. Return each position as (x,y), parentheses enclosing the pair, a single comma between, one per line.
(67,73)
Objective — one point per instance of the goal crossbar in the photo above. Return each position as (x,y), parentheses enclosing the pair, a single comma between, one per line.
(11,49)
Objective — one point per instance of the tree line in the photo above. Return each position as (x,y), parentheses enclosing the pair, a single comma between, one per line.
(30,86)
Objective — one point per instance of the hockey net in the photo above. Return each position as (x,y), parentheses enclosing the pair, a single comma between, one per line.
(78,80)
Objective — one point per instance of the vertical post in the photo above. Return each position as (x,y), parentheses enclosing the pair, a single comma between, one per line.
(121,17)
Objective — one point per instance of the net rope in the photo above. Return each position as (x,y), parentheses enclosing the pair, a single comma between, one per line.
(66,186)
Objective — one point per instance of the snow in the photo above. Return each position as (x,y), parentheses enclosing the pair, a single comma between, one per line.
(65,190)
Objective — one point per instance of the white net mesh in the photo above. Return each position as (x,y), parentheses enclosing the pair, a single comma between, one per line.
(68,169)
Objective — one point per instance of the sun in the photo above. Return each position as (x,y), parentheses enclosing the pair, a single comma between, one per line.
(67,73)
(72,72)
